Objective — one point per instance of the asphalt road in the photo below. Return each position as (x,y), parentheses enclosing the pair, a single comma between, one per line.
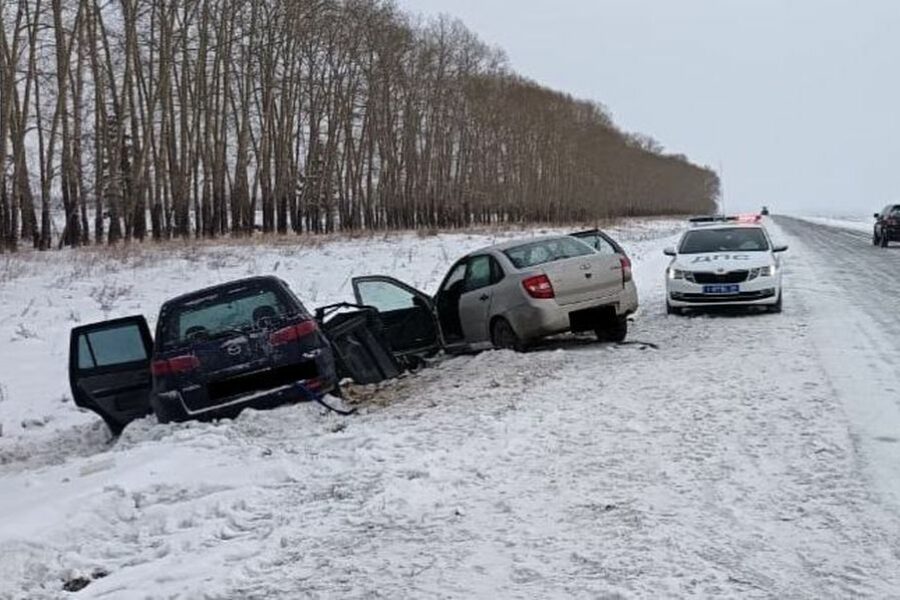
(867,274)
(848,293)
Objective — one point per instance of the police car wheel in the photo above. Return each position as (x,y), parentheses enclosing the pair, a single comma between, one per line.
(776,308)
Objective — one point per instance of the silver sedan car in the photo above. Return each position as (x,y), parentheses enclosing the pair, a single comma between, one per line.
(509,295)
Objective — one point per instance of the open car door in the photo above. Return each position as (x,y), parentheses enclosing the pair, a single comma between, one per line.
(409,316)
(109,369)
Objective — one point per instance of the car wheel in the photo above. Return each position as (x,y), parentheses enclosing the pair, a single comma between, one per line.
(673,310)
(504,336)
(616,331)
(875,240)
(776,308)
(884,241)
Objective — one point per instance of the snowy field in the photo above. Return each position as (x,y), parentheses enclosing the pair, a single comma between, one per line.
(752,456)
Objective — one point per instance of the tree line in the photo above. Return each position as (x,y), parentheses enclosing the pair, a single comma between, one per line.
(173,118)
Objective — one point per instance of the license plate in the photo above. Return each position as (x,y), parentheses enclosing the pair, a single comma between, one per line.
(721,289)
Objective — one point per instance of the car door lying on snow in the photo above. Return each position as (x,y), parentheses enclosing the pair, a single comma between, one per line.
(109,369)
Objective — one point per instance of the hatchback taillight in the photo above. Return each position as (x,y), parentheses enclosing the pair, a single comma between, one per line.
(175,366)
(539,287)
(293,333)
(626,269)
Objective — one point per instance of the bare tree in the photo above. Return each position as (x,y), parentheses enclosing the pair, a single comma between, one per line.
(211,117)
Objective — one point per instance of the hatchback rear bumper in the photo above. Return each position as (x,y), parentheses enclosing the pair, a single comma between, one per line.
(307,380)
(172,406)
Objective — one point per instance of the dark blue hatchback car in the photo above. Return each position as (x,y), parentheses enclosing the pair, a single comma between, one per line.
(248,343)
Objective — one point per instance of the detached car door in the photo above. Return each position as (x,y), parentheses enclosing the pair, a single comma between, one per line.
(109,369)
(409,316)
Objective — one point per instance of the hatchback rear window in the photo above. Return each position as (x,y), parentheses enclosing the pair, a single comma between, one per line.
(224,312)
(545,251)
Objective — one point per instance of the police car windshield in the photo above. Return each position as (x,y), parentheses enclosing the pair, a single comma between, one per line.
(743,239)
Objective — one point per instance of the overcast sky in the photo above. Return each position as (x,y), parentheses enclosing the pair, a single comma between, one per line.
(796,101)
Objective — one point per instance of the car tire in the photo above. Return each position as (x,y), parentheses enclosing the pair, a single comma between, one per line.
(875,240)
(673,310)
(614,331)
(504,337)
(884,241)
(776,308)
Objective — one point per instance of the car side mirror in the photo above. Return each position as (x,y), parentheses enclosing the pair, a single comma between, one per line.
(670,251)
(780,249)
(877,215)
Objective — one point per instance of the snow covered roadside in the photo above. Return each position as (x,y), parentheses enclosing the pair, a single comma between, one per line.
(722,464)
(42,296)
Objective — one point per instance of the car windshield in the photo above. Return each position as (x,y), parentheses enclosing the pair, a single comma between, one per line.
(537,253)
(223,312)
(745,239)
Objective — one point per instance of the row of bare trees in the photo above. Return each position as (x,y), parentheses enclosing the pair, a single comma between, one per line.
(123,119)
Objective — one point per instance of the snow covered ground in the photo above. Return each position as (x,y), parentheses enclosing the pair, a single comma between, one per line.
(739,459)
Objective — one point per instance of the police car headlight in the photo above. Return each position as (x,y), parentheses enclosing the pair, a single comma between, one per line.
(768,271)
(676,274)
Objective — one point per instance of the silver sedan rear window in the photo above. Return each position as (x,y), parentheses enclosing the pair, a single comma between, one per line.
(538,253)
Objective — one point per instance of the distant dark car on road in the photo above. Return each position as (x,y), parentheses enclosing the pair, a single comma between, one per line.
(765,211)
(887,226)
(248,343)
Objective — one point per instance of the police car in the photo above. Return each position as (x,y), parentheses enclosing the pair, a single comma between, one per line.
(724,264)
